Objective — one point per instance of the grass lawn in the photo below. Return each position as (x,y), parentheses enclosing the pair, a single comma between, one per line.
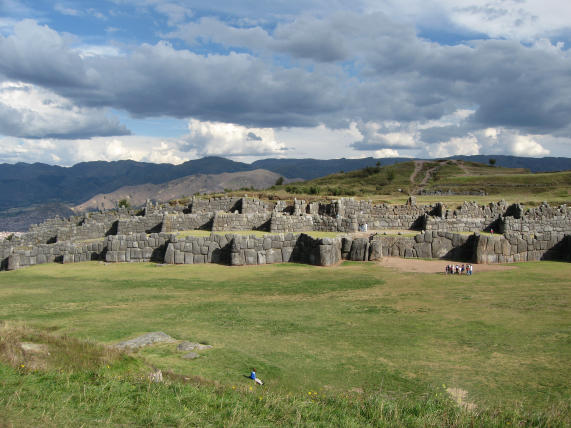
(357,329)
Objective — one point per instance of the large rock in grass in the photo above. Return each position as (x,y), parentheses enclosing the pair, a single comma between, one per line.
(192,346)
(145,340)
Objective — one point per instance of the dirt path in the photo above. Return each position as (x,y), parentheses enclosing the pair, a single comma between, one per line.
(428,175)
(417,167)
(461,166)
(433,266)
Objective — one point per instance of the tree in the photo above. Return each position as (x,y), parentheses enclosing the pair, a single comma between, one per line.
(492,161)
(280,181)
(378,164)
(123,203)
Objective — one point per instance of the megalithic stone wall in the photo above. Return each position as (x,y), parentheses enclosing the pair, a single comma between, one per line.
(60,252)
(518,247)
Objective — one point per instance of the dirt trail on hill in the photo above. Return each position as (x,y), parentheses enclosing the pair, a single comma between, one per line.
(461,166)
(428,175)
(433,266)
(417,167)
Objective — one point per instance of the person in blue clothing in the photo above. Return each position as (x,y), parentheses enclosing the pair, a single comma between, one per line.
(256,379)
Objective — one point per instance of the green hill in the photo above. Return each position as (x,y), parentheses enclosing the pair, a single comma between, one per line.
(439,178)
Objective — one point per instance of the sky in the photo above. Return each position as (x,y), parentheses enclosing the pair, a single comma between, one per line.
(175,80)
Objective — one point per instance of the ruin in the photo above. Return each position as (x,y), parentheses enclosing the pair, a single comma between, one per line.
(437,231)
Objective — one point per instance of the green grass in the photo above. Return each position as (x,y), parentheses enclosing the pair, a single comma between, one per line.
(502,336)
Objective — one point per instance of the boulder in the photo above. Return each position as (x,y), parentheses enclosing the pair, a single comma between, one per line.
(145,340)
(190,356)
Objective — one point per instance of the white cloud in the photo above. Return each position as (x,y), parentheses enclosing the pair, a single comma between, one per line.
(70,152)
(525,145)
(228,139)
(456,146)
(64,10)
(386,153)
(31,111)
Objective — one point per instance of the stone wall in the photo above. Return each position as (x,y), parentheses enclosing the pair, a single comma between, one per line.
(281,223)
(430,245)
(238,250)
(137,247)
(541,219)
(60,252)
(212,205)
(519,247)
(230,221)
(140,224)
(534,234)
(176,222)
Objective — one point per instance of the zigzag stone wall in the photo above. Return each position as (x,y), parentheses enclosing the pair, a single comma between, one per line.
(147,235)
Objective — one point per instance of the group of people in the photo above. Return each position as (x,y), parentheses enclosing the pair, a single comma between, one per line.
(459,269)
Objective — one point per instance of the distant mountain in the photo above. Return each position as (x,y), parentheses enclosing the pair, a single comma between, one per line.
(25,184)
(533,164)
(314,168)
(182,187)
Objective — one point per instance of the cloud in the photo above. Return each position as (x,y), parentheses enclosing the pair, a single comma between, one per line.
(227,139)
(307,71)
(32,112)
(386,153)
(64,10)
(70,152)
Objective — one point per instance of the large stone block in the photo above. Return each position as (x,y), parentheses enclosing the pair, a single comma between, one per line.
(423,250)
(329,254)
(261,257)
(359,248)
(178,257)
(376,250)
(169,254)
(440,247)
(13,262)
(237,258)
(274,255)
(250,257)
(286,253)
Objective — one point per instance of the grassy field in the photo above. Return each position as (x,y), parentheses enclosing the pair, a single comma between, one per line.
(356,344)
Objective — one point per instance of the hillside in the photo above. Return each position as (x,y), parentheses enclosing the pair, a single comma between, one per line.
(442,177)
(181,188)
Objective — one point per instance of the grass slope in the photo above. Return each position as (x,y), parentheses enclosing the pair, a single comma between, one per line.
(393,183)
(356,333)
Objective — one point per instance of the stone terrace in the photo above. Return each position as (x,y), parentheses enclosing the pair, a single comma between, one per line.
(149,234)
